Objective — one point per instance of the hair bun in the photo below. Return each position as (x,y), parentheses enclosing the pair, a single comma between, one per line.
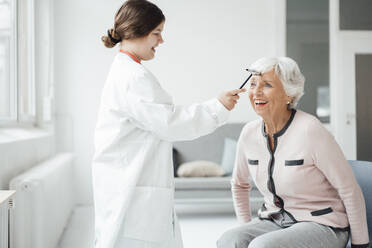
(110,40)
(111,37)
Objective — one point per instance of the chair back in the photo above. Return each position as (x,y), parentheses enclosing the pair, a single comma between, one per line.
(363,174)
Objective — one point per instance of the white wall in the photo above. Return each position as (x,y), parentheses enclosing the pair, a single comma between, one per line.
(208,44)
(20,154)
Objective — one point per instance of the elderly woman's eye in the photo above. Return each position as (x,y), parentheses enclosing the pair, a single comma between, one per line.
(268,85)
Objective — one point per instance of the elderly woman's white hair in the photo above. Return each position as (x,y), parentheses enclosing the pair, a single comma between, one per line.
(288,72)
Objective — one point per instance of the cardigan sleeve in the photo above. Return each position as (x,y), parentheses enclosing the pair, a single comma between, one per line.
(240,184)
(328,157)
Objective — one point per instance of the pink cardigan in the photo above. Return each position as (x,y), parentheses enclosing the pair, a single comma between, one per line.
(311,179)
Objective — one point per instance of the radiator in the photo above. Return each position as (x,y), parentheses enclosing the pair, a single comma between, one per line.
(44,202)
(6,204)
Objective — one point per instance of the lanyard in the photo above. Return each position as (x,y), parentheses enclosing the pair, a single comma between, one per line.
(130,55)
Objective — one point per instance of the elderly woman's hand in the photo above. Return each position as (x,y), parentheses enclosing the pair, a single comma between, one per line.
(230,98)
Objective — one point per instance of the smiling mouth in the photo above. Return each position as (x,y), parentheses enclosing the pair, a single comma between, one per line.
(260,103)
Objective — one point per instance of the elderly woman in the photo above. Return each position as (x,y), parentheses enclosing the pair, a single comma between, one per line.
(311,197)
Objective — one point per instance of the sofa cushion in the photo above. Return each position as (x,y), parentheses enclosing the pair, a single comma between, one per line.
(208,147)
(221,183)
(200,168)
(228,157)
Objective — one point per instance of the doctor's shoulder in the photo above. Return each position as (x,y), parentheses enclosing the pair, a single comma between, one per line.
(123,72)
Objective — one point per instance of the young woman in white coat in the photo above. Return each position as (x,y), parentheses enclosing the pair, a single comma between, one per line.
(137,123)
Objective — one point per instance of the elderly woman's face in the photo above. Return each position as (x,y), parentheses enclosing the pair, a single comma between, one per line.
(267,95)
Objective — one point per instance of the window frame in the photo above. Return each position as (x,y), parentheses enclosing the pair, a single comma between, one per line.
(22,36)
(304,20)
(13,86)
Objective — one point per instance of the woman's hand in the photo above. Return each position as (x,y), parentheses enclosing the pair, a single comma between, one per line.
(230,98)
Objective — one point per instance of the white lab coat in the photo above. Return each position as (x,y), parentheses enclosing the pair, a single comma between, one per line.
(132,167)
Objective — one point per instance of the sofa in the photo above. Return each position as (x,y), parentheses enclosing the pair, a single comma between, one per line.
(208,194)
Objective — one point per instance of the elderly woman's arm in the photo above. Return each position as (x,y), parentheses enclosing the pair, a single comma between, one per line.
(240,185)
(329,158)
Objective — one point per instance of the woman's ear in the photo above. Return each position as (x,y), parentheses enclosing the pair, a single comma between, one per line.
(289,99)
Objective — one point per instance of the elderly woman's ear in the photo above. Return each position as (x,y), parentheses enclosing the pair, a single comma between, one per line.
(289,99)
(290,102)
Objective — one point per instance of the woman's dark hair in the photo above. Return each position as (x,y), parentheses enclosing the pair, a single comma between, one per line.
(134,19)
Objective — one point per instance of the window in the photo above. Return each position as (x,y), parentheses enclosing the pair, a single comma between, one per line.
(17,84)
(308,44)
(8,47)
(355,15)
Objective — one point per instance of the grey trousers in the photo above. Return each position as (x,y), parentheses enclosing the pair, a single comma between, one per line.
(265,233)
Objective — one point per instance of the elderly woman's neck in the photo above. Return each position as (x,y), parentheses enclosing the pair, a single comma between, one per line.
(275,123)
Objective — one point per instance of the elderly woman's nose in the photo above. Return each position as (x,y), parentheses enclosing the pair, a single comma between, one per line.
(257,90)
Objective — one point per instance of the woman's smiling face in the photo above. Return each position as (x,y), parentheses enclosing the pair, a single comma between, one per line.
(267,95)
(146,45)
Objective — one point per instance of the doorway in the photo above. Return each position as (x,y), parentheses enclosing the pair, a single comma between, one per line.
(363,80)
